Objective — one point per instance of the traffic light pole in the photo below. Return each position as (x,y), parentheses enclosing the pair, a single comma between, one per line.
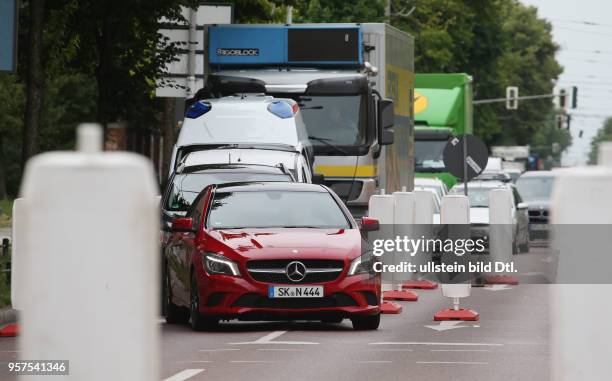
(526,97)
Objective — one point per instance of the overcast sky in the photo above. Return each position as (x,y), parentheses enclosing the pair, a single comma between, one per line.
(583,30)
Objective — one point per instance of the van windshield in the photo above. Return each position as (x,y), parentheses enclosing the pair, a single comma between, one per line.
(336,120)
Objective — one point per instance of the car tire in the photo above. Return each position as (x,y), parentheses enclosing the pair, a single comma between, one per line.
(173,313)
(366,322)
(198,321)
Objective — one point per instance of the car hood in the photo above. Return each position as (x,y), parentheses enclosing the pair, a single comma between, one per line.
(479,215)
(538,204)
(298,242)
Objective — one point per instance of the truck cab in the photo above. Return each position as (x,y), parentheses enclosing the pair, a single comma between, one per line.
(343,98)
(443,109)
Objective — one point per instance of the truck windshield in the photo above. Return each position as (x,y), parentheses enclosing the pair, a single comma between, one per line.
(428,155)
(334,120)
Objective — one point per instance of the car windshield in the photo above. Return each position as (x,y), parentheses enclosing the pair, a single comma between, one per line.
(479,197)
(428,155)
(335,120)
(275,208)
(187,186)
(535,188)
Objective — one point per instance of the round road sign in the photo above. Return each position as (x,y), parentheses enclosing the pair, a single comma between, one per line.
(476,157)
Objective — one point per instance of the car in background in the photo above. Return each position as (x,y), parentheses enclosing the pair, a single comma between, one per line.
(249,121)
(536,188)
(434,184)
(478,194)
(269,251)
(513,173)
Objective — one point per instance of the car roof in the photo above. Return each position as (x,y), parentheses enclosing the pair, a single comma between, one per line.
(270,186)
(422,181)
(484,184)
(246,120)
(538,174)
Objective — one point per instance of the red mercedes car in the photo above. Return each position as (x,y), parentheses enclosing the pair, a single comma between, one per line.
(269,251)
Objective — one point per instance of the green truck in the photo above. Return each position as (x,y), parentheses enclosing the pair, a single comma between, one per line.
(442,108)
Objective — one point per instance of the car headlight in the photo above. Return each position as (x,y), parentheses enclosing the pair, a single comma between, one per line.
(218,264)
(361,265)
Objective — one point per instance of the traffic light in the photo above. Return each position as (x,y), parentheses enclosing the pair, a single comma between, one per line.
(560,121)
(574,96)
(563,99)
(512,98)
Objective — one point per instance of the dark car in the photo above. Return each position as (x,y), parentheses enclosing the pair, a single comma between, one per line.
(535,188)
(268,251)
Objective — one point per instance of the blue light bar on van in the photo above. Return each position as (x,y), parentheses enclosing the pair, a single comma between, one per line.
(198,109)
(285,45)
(282,109)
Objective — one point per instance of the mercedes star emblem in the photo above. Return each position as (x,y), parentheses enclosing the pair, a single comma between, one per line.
(296,271)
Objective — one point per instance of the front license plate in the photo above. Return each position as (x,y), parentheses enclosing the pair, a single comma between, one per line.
(539,227)
(295,291)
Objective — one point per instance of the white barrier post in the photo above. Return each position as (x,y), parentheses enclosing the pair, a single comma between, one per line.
(580,313)
(455,210)
(89,261)
(16,233)
(500,232)
(403,227)
(382,207)
(423,220)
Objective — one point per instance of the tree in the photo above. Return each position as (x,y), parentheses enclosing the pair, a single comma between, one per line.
(603,135)
(35,80)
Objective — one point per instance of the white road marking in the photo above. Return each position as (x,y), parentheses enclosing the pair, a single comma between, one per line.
(459,350)
(453,362)
(184,375)
(446,325)
(435,343)
(390,350)
(267,339)
(497,287)
(253,361)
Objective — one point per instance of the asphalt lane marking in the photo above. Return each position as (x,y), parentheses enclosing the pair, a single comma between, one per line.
(267,339)
(459,350)
(184,375)
(219,350)
(453,362)
(427,343)
(446,325)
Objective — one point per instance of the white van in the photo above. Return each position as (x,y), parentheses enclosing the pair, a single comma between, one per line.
(256,122)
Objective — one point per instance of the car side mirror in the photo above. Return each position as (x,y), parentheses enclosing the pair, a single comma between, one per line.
(183,224)
(318,178)
(522,206)
(369,224)
(385,120)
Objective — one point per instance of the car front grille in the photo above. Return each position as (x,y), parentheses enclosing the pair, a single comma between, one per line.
(538,216)
(273,271)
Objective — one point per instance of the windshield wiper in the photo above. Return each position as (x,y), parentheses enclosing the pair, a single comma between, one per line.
(327,143)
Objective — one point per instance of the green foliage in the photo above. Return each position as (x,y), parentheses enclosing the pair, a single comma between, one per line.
(339,11)
(500,43)
(546,135)
(603,135)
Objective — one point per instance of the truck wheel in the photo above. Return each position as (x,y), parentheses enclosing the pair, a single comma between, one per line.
(366,323)
(173,313)
(198,321)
